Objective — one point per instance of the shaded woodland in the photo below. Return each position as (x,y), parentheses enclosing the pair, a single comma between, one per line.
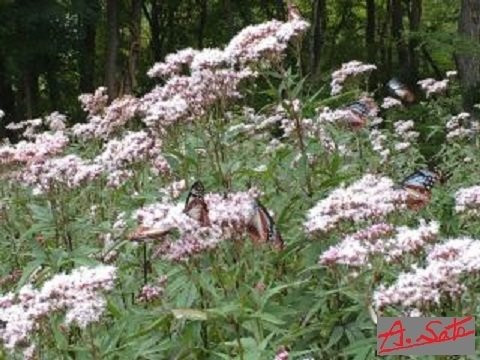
(53,50)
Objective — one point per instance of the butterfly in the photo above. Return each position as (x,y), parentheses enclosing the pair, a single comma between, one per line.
(293,13)
(359,111)
(400,90)
(262,229)
(195,205)
(418,186)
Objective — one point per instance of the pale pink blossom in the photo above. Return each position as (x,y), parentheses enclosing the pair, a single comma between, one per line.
(348,70)
(229,216)
(79,295)
(69,171)
(94,103)
(152,292)
(390,102)
(371,198)
(392,243)
(31,127)
(56,121)
(467,201)
(133,148)
(442,277)
(431,86)
(103,121)
(44,146)
(461,126)
(282,354)
(174,63)
(175,189)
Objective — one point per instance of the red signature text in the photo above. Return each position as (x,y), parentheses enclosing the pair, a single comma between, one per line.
(435,332)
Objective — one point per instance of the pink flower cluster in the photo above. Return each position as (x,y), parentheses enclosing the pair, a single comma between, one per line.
(78,294)
(174,190)
(44,145)
(282,354)
(134,147)
(461,126)
(265,41)
(150,293)
(70,171)
(380,239)
(467,201)
(372,197)
(31,127)
(379,141)
(229,216)
(95,103)
(104,120)
(196,80)
(405,134)
(56,121)
(447,265)
(351,69)
(390,102)
(432,87)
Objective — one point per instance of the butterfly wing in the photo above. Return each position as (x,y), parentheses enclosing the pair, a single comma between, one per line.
(400,90)
(422,179)
(143,233)
(195,205)
(262,229)
(418,186)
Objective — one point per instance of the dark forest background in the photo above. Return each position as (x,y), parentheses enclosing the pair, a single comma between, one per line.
(53,50)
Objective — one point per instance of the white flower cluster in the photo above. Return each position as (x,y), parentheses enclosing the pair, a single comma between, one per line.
(467,201)
(229,216)
(351,69)
(405,134)
(390,102)
(447,265)
(44,146)
(461,126)
(380,239)
(104,120)
(371,197)
(78,294)
(432,86)
(197,79)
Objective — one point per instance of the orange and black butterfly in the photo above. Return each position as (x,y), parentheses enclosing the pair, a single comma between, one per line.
(359,112)
(293,13)
(195,205)
(262,229)
(418,186)
(400,90)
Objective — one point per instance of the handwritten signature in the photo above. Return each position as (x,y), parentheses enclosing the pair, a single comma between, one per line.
(436,332)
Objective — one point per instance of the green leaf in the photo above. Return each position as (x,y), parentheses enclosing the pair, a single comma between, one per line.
(189,314)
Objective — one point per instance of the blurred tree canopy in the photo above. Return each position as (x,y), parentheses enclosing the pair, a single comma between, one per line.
(53,50)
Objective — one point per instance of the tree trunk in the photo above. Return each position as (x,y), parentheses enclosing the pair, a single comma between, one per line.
(202,22)
(318,34)
(112,48)
(30,92)
(414,16)
(88,19)
(468,64)
(370,32)
(154,20)
(370,39)
(397,34)
(7,97)
(135,46)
